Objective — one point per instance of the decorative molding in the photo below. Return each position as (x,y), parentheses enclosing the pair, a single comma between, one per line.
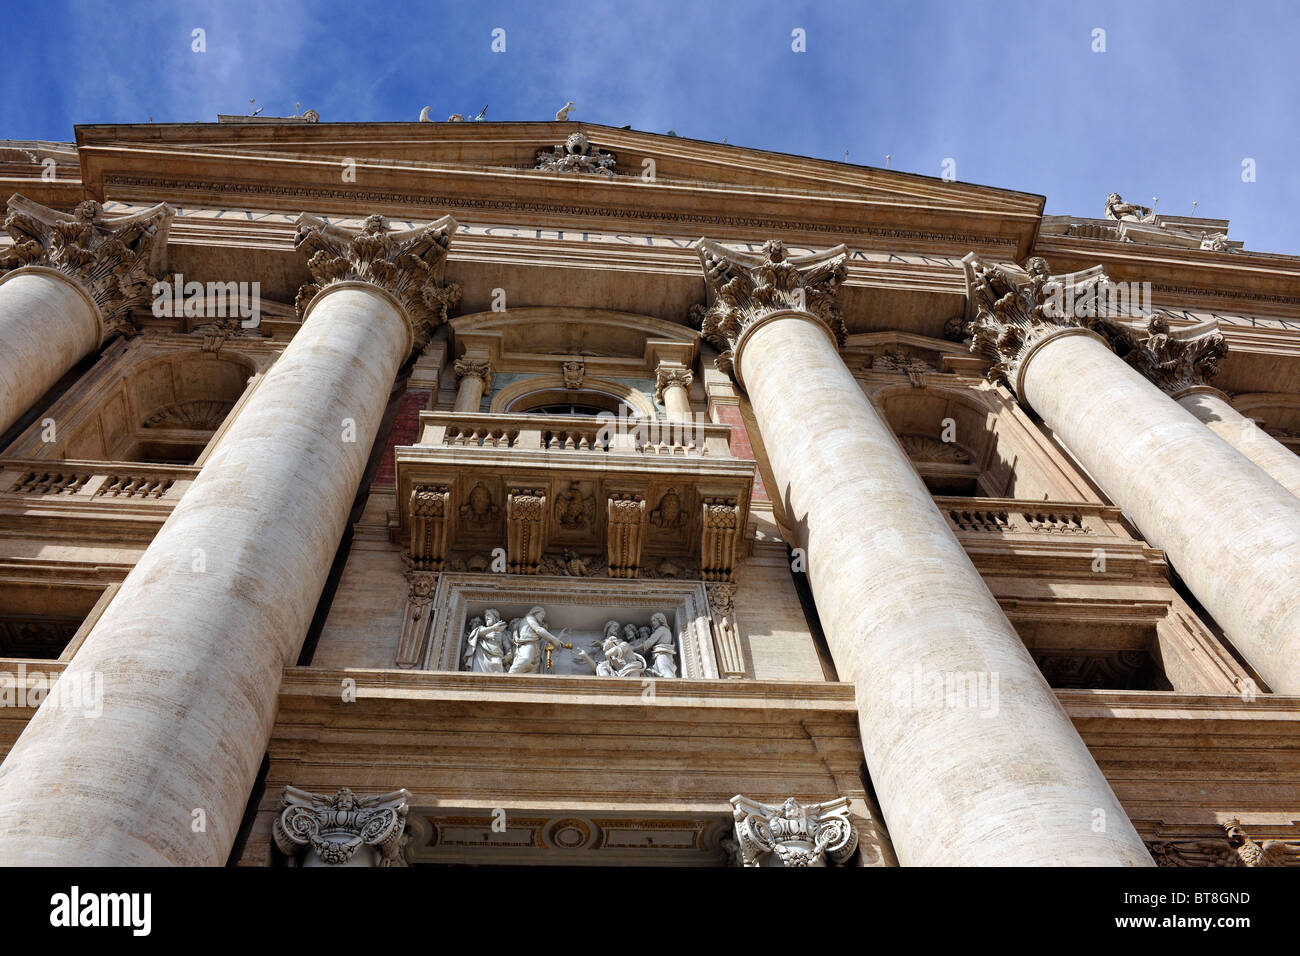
(667,376)
(409,265)
(745,287)
(577,155)
(426,200)
(526,527)
(924,448)
(429,505)
(200,414)
(117,261)
(330,830)
(794,834)
(894,360)
(627,524)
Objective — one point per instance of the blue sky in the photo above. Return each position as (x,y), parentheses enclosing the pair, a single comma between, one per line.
(1013,92)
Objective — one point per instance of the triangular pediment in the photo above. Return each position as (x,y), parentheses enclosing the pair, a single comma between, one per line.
(407,168)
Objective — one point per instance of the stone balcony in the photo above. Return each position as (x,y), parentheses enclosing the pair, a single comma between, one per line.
(130,499)
(645,499)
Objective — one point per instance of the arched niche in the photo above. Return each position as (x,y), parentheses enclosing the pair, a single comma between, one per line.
(165,410)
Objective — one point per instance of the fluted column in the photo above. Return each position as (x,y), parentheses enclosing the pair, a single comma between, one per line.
(474,375)
(192,648)
(1231,531)
(672,384)
(72,283)
(1000,779)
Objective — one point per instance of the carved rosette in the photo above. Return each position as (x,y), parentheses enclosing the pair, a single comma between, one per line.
(794,834)
(746,287)
(627,524)
(117,261)
(409,265)
(669,376)
(330,830)
(1175,361)
(429,505)
(719,537)
(1010,310)
(526,514)
(480,369)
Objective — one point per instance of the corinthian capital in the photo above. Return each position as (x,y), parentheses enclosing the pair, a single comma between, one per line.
(409,265)
(1174,360)
(115,260)
(332,829)
(745,287)
(1010,309)
(794,834)
(480,369)
(667,376)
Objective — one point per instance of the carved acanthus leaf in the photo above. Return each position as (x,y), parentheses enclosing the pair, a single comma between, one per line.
(409,265)
(745,287)
(794,834)
(1010,309)
(1174,360)
(667,376)
(117,261)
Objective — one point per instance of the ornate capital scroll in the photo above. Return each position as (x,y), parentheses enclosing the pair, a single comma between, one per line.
(1174,360)
(667,376)
(794,834)
(475,368)
(744,287)
(409,265)
(331,829)
(117,261)
(1010,310)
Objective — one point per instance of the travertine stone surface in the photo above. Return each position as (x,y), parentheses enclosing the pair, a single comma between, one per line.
(47,323)
(1007,783)
(1211,407)
(192,648)
(1231,531)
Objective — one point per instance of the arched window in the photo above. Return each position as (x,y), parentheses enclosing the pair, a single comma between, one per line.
(559,401)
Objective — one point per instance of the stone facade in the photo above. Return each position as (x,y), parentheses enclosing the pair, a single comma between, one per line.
(503,506)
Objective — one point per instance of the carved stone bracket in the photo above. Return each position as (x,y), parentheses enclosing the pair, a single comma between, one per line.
(418,617)
(313,829)
(117,261)
(726,632)
(577,155)
(409,265)
(627,525)
(526,526)
(1174,360)
(719,538)
(794,834)
(429,505)
(745,287)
